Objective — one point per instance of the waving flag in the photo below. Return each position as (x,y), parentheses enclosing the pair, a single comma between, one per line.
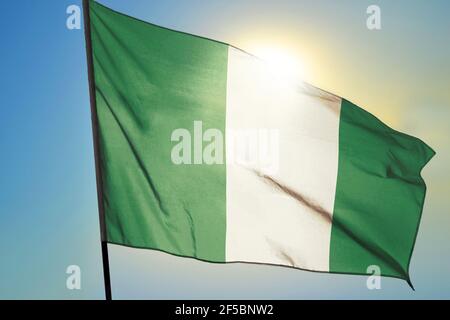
(178,117)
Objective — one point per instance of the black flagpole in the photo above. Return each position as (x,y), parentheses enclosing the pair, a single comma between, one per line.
(87,34)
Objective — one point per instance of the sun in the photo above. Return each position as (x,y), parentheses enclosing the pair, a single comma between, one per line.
(281,61)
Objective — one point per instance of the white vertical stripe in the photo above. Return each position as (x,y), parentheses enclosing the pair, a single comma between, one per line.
(264,223)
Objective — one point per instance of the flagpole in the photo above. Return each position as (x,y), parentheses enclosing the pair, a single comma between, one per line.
(94,119)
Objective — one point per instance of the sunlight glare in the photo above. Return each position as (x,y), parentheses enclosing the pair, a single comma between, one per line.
(281,62)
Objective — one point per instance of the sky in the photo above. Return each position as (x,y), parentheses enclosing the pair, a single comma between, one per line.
(48,204)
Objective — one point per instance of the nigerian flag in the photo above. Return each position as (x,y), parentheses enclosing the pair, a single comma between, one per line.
(205,152)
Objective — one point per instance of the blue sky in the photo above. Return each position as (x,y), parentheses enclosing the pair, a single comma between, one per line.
(48,205)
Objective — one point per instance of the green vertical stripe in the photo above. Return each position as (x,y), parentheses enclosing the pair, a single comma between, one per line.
(150,81)
(379,195)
